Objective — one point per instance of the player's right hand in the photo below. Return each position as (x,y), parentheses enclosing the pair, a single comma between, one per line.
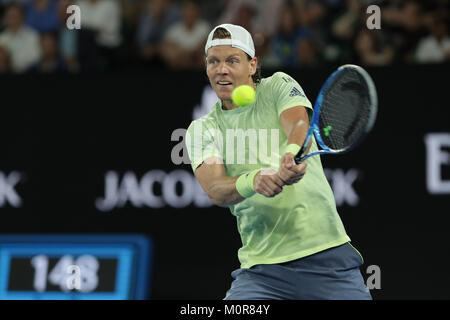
(268,183)
(290,172)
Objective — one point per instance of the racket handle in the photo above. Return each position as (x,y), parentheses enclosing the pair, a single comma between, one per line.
(298,156)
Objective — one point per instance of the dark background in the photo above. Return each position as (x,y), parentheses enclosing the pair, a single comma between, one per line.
(64,133)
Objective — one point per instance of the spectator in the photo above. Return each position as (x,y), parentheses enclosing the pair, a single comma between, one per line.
(257,16)
(157,17)
(243,13)
(67,39)
(346,25)
(184,42)
(42,15)
(240,12)
(21,41)
(212,10)
(312,16)
(104,18)
(405,27)
(286,33)
(435,47)
(307,53)
(5,61)
(50,61)
(3,5)
(260,17)
(285,42)
(100,34)
(370,51)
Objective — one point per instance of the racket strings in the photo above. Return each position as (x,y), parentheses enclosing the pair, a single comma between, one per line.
(345,110)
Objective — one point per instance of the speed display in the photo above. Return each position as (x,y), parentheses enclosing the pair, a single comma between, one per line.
(53,267)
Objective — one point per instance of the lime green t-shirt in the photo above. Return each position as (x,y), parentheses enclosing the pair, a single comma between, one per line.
(302,219)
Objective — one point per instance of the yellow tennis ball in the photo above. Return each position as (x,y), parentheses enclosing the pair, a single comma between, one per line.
(243,96)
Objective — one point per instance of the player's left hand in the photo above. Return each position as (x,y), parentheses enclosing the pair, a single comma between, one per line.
(290,172)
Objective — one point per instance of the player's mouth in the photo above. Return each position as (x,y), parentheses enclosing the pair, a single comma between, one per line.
(224,83)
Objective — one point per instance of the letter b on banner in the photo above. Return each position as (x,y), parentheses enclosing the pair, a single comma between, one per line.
(437,160)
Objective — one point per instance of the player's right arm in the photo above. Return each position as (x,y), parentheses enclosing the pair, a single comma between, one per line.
(222,190)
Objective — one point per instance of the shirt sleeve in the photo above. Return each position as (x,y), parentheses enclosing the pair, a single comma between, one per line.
(202,142)
(288,93)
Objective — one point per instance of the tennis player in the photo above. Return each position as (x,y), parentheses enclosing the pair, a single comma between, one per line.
(294,245)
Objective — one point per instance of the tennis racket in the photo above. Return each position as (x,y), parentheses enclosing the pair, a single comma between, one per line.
(344,112)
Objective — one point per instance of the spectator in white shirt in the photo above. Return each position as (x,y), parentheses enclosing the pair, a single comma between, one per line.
(100,36)
(21,41)
(183,46)
(265,17)
(435,48)
(103,17)
(156,18)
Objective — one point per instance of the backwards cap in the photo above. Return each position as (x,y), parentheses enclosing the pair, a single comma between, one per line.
(240,38)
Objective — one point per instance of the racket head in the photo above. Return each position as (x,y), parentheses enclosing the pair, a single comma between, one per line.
(345,110)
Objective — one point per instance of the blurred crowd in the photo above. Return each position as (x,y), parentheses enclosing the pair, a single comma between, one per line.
(121,34)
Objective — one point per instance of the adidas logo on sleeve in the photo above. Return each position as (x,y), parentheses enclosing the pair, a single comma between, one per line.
(295,92)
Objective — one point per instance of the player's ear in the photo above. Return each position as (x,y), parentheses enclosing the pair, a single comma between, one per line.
(253,65)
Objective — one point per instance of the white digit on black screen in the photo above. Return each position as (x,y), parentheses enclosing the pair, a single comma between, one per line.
(58,276)
(40,265)
(89,266)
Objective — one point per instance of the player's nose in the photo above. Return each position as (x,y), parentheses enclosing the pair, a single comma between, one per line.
(222,68)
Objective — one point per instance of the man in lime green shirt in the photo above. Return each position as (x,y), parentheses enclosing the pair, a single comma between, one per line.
(243,159)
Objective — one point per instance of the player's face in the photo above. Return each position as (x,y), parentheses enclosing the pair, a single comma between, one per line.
(228,68)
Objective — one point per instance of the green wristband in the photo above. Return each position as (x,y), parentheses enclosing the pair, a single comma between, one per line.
(244,184)
(293,148)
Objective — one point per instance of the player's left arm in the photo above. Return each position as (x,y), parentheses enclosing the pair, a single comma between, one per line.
(295,124)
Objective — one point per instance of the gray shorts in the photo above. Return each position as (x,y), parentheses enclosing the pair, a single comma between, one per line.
(332,274)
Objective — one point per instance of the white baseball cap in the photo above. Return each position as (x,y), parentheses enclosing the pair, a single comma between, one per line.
(240,38)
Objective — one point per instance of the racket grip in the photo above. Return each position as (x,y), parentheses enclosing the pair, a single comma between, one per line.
(298,156)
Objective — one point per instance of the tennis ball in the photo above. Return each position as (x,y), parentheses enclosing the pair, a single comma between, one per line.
(243,96)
